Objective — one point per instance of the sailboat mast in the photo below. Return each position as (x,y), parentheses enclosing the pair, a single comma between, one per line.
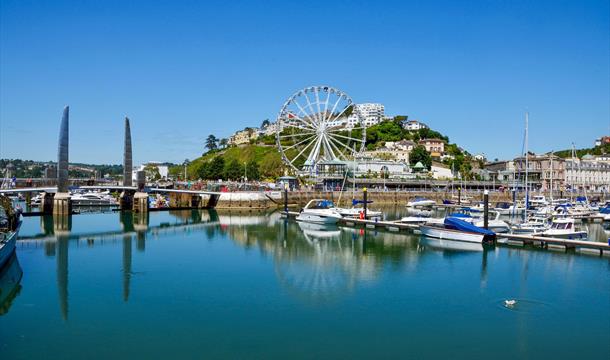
(526,162)
(552,170)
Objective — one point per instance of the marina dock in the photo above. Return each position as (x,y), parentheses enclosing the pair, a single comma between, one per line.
(583,246)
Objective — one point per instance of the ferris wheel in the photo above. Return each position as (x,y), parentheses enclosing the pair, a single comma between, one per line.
(319,124)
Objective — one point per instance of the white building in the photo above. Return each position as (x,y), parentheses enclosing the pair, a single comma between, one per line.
(270,129)
(371,113)
(441,172)
(163,170)
(243,136)
(367,166)
(591,173)
(413,125)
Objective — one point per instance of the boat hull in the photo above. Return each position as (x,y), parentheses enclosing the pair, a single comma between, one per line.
(317,219)
(449,234)
(7,247)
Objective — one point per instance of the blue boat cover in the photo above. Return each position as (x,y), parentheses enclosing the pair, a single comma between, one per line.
(605,210)
(457,224)
(357,202)
(459,215)
(581,198)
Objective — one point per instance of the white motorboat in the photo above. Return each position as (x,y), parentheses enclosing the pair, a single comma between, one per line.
(449,245)
(420,220)
(536,224)
(564,228)
(319,211)
(538,201)
(421,202)
(459,230)
(10,223)
(93,199)
(496,225)
(509,209)
(36,200)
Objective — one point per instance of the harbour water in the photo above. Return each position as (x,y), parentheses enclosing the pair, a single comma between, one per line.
(213,284)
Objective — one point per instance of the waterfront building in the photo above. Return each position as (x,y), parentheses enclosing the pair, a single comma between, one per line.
(591,173)
(501,171)
(413,125)
(539,171)
(436,147)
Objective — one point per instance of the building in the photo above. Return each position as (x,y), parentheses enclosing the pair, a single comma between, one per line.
(406,145)
(480,157)
(366,167)
(602,140)
(244,136)
(162,168)
(413,125)
(539,170)
(371,114)
(501,171)
(440,171)
(387,153)
(270,129)
(436,147)
(591,173)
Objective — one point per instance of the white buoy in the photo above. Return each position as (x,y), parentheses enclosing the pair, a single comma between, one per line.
(510,303)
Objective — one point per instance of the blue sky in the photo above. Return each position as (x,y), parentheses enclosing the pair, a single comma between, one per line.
(184,69)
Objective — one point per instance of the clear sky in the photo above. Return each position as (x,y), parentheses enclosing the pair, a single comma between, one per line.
(184,69)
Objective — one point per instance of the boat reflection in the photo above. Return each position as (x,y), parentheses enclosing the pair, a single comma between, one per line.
(318,231)
(10,283)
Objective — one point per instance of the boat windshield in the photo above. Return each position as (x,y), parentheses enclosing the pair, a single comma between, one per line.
(324,204)
(562,226)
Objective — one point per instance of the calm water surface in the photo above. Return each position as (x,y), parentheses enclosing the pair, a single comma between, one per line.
(199,284)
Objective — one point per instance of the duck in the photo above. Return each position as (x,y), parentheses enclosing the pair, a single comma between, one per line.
(510,303)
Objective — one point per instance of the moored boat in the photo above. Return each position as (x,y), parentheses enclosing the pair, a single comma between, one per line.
(564,228)
(459,230)
(10,223)
(319,211)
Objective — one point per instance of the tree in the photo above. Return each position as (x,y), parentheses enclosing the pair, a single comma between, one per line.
(252,171)
(419,154)
(210,142)
(152,172)
(234,171)
(272,166)
(216,168)
(265,123)
(223,142)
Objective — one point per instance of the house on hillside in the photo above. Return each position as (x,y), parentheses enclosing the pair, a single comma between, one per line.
(413,125)
(436,147)
(243,136)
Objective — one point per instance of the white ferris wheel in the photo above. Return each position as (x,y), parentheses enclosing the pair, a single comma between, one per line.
(316,125)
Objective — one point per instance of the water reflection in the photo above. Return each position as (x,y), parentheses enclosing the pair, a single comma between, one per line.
(312,263)
(10,283)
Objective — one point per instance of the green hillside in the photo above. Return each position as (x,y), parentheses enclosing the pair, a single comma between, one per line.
(598,150)
(265,160)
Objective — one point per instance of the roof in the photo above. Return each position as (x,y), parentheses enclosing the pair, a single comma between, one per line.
(435,140)
(419,165)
